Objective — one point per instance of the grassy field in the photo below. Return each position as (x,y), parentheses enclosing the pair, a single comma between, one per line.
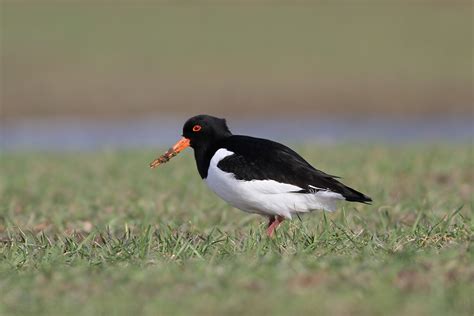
(95,58)
(101,234)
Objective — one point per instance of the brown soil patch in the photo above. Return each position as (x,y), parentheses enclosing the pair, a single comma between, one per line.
(138,96)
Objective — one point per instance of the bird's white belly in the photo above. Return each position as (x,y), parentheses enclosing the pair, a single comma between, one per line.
(266,197)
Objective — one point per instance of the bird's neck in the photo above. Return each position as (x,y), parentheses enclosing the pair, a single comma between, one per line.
(203,155)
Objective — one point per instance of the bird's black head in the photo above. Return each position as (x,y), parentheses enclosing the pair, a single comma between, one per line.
(205,129)
(200,132)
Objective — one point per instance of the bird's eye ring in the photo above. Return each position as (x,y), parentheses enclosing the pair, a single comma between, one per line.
(197,128)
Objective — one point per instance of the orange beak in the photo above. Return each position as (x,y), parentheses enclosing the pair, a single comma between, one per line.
(173,151)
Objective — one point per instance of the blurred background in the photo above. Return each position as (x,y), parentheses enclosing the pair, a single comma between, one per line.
(94,74)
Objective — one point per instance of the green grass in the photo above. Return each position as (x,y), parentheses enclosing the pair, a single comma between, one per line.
(100,233)
(371,57)
(424,41)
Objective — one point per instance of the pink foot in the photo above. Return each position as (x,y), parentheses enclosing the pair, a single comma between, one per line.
(273,224)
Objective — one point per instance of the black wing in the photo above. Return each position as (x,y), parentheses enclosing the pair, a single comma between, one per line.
(262,159)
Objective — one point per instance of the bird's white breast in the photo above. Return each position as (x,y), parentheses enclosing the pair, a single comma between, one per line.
(266,197)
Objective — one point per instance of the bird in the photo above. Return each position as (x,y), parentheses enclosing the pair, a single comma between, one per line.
(258,175)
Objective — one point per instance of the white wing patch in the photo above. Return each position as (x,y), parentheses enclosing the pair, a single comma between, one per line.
(266,197)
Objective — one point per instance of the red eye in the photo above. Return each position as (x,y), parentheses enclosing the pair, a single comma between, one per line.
(197,128)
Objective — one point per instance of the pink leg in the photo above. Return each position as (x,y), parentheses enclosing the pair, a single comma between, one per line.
(273,224)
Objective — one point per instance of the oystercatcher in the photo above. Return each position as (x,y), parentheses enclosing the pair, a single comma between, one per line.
(258,175)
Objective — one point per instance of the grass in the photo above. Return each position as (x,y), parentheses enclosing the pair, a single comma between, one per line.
(423,40)
(97,58)
(100,233)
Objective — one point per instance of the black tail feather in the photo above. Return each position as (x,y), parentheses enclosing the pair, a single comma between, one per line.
(352,195)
